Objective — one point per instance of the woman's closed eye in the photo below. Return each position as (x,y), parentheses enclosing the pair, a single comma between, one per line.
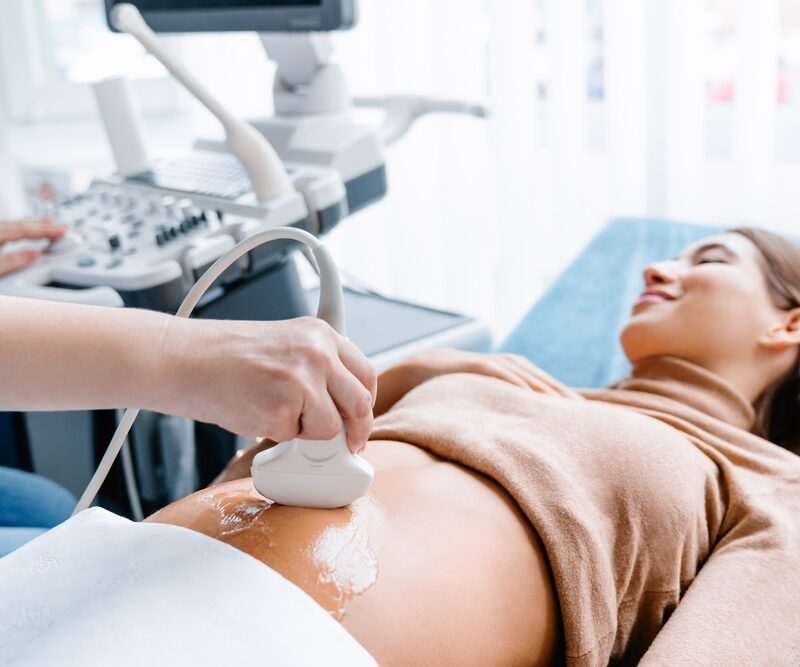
(712,259)
(714,253)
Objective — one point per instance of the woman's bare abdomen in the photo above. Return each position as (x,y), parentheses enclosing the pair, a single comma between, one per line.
(435,566)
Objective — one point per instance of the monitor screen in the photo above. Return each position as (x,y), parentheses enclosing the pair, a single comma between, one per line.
(245,15)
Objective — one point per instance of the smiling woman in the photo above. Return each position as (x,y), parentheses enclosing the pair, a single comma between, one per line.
(514,522)
(729,303)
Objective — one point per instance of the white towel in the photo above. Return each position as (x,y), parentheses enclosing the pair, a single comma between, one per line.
(102,590)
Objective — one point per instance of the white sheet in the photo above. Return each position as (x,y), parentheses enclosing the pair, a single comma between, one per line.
(102,590)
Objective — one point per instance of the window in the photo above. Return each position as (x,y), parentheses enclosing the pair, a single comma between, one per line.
(720,55)
(789,54)
(594,35)
(50,50)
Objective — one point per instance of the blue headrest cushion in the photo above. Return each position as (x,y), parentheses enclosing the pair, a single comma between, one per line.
(572,331)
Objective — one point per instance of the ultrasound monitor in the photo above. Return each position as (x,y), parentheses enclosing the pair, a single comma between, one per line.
(244,15)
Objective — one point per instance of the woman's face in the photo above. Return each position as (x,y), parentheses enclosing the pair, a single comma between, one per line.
(710,305)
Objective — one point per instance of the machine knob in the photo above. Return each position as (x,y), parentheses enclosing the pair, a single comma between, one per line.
(185,208)
(169,205)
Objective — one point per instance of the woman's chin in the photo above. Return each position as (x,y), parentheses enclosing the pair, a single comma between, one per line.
(642,337)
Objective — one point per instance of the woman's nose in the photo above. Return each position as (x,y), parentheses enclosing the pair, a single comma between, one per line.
(659,273)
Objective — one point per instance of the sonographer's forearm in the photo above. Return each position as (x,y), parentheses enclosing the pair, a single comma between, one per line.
(56,356)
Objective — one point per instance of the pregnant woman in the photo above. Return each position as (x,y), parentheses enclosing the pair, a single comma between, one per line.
(515,521)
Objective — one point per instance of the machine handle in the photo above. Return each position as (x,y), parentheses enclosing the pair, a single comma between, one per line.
(262,164)
(403,110)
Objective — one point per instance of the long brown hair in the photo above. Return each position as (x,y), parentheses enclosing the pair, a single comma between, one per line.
(778,408)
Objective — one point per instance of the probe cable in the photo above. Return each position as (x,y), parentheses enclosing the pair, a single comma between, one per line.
(330,309)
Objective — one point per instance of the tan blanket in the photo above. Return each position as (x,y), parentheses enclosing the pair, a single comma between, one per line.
(672,532)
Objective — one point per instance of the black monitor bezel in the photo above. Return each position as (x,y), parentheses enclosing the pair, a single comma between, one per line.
(331,15)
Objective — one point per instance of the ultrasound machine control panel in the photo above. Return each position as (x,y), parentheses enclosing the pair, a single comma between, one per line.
(139,243)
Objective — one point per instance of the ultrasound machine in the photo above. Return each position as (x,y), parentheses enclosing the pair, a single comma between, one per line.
(140,237)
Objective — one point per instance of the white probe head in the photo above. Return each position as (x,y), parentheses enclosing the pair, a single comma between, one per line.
(312,473)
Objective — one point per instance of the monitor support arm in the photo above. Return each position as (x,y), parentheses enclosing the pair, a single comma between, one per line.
(306,81)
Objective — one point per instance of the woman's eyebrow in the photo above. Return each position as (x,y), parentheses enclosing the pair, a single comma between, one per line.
(711,246)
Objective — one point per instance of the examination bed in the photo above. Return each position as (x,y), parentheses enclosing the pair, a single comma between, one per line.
(589,301)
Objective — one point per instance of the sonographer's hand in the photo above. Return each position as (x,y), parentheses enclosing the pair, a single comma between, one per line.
(23,230)
(286,379)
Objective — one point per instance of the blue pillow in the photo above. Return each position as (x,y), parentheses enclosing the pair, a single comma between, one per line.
(572,331)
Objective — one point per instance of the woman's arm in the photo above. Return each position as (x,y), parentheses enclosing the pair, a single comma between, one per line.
(397,381)
(56,356)
(276,379)
(741,609)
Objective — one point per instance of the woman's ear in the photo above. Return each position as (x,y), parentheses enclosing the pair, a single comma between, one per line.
(785,334)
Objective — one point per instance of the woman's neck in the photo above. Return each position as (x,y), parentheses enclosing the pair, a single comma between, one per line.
(693,385)
(739,376)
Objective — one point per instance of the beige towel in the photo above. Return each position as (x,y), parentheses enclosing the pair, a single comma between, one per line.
(672,532)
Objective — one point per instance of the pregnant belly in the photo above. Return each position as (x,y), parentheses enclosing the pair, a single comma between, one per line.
(435,566)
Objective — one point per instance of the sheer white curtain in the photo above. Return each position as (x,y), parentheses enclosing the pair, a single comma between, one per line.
(658,120)
(434,238)
(482,215)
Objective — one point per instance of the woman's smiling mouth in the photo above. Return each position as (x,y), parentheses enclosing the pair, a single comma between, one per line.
(653,296)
